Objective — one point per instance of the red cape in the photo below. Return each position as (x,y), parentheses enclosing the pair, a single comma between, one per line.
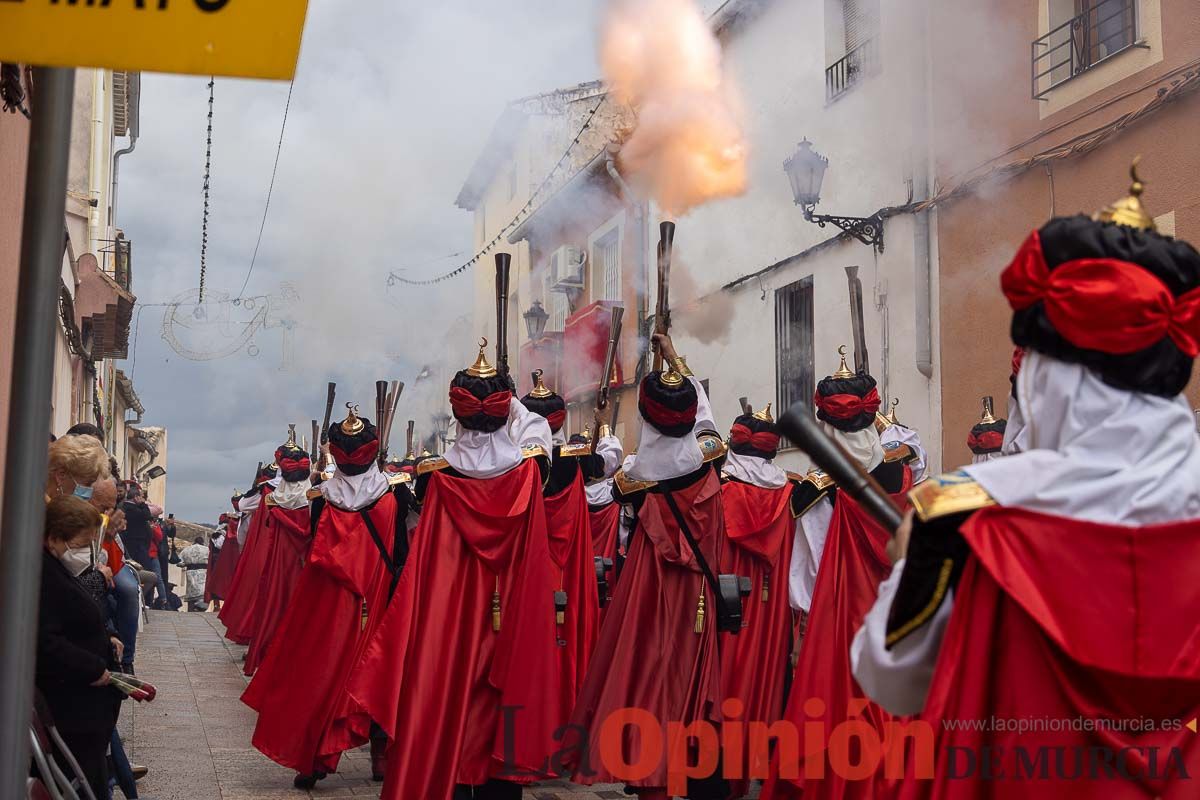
(238,612)
(606,527)
(570,536)
(649,656)
(606,523)
(1096,622)
(759,532)
(290,538)
(853,565)
(436,674)
(222,568)
(300,689)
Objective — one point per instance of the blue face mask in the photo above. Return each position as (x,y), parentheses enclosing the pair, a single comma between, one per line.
(83,492)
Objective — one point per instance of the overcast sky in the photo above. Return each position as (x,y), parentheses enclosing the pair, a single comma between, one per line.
(392,102)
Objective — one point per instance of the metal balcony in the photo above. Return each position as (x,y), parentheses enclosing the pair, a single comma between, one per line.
(844,74)
(1105,28)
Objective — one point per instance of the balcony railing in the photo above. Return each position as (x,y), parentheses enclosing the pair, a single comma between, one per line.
(842,75)
(1104,29)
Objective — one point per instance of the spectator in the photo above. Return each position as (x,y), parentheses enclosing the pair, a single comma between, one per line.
(76,462)
(156,547)
(195,561)
(165,547)
(124,595)
(74,650)
(137,535)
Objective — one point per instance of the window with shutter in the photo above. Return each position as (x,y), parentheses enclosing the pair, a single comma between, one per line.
(794,330)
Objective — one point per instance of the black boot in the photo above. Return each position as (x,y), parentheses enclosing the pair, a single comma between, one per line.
(378,757)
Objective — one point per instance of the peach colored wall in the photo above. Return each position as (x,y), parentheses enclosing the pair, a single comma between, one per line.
(978,234)
(14,152)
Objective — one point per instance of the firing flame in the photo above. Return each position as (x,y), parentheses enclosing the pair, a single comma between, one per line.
(661,57)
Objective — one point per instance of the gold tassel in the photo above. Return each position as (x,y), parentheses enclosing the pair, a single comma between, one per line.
(496,607)
(700,612)
(766,593)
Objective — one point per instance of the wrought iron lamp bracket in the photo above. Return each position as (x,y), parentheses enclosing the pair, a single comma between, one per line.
(868,230)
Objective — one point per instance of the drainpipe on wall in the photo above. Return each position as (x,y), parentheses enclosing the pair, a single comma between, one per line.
(134,102)
(922,226)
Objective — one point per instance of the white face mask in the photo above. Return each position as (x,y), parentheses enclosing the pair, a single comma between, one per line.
(76,559)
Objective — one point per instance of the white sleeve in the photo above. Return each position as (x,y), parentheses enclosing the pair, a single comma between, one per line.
(527,428)
(809,545)
(247,504)
(704,413)
(898,679)
(609,448)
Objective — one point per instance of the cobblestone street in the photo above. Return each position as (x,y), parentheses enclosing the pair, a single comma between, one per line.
(195,736)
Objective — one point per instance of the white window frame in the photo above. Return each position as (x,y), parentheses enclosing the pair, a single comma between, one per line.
(597,278)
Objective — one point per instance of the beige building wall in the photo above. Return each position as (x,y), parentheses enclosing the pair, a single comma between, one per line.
(979,231)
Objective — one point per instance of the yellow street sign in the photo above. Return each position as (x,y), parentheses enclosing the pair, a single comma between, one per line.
(245,38)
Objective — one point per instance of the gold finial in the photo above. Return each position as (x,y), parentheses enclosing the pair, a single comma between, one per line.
(291,440)
(764,415)
(669,377)
(587,433)
(352,425)
(1129,211)
(843,371)
(481,368)
(989,415)
(891,417)
(540,389)
(425,452)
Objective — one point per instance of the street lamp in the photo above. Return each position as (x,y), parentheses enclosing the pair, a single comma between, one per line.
(154,472)
(805,169)
(535,321)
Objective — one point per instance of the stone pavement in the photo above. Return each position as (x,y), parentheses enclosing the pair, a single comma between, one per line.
(195,736)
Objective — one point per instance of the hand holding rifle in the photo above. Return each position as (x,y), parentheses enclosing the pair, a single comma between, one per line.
(664,347)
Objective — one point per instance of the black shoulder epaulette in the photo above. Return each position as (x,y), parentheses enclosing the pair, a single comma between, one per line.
(898,451)
(432,465)
(575,450)
(808,490)
(948,493)
(627,486)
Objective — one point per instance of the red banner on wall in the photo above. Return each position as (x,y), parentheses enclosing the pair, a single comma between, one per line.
(585,343)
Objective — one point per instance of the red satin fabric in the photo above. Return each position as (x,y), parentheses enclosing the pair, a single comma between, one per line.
(845,406)
(763,440)
(1096,622)
(1102,304)
(287,465)
(648,655)
(222,568)
(662,415)
(853,565)
(467,405)
(238,612)
(360,456)
(300,689)
(759,531)
(556,420)
(988,442)
(1017,357)
(436,675)
(570,538)
(606,528)
(289,549)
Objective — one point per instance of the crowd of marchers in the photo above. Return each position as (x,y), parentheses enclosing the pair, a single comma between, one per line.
(689,618)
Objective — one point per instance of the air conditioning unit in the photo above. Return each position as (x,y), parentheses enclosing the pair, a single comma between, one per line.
(566,269)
